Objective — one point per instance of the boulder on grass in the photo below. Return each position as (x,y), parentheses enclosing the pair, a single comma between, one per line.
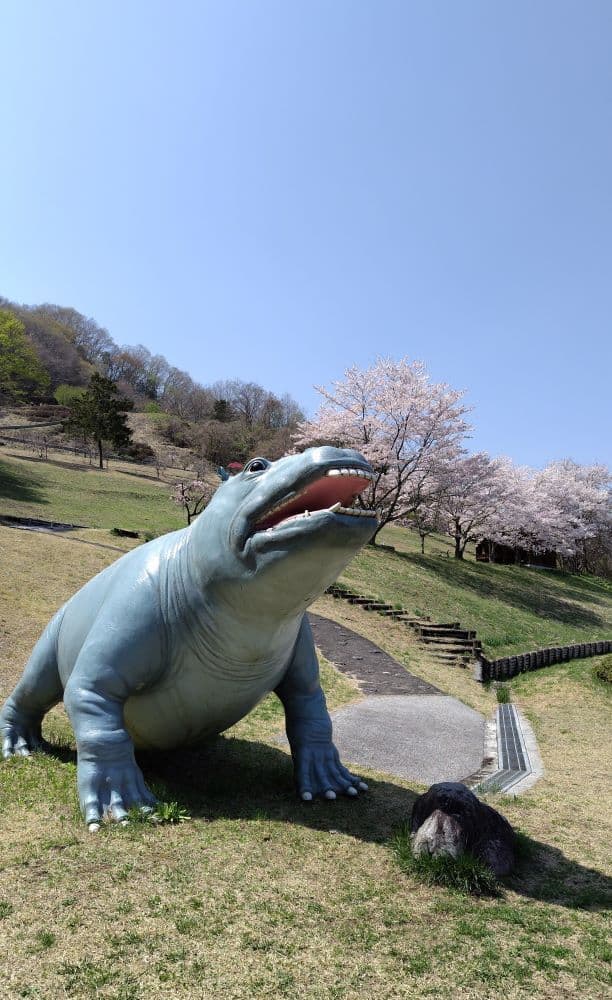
(450,819)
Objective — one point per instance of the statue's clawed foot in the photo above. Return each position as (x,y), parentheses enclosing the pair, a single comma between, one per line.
(21,734)
(109,789)
(318,771)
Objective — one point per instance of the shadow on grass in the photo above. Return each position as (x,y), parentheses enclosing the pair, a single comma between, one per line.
(233,778)
(242,779)
(59,463)
(519,593)
(150,477)
(16,486)
(547,875)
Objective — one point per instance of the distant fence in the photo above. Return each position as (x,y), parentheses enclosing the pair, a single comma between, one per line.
(509,666)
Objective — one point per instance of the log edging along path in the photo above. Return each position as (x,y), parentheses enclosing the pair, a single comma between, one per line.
(507,667)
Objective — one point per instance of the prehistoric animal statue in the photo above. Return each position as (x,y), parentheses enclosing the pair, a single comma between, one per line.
(183,636)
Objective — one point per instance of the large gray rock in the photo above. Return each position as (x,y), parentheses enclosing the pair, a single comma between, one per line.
(450,819)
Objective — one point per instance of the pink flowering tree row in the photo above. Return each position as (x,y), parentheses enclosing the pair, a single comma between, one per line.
(413,432)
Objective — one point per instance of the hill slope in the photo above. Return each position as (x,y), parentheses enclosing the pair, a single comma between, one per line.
(66,489)
(512,608)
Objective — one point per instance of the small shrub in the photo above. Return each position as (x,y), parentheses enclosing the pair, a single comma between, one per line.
(602,671)
(177,432)
(66,394)
(503,693)
(164,812)
(152,407)
(138,451)
(170,812)
(466,874)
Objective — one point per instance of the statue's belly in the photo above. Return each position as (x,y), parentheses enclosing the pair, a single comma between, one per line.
(197,700)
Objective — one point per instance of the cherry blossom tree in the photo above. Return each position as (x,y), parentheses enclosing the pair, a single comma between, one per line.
(192,497)
(574,506)
(402,423)
(426,519)
(472,492)
(559,508)
(517,519)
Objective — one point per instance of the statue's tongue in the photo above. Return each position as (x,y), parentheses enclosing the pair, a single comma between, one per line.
(320,495)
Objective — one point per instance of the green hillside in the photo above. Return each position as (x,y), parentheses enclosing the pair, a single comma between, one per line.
(65,489)
(512,608)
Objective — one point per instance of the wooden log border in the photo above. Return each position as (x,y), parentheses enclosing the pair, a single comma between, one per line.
(509,666)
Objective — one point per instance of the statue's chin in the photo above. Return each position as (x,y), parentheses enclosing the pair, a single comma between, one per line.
(321,530)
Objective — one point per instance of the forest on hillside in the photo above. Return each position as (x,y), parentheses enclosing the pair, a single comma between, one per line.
(48,354)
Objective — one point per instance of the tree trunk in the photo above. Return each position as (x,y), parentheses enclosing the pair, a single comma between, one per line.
(422,545)
(458,548)
(100,453)
(375,535)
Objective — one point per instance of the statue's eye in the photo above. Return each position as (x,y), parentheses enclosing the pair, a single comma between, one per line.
(257,465)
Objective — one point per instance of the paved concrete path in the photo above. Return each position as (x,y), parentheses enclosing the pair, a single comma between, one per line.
(424,738)
(405,727)
(374,670)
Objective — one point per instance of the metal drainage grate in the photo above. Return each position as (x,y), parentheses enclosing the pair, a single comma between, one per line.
(513,759)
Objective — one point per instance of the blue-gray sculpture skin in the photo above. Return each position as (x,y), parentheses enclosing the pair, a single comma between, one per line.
(182,637)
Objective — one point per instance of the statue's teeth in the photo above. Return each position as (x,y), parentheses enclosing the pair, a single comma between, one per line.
(362,473)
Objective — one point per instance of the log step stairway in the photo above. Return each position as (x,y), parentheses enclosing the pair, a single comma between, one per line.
(446,641)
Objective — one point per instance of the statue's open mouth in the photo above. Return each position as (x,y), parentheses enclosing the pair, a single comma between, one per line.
(334,491)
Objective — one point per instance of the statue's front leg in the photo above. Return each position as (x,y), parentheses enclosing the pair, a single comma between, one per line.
(110,782)
(318,769)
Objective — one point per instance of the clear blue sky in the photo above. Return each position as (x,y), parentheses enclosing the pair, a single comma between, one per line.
(275,190)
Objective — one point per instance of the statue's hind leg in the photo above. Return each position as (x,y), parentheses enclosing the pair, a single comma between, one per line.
(39,689)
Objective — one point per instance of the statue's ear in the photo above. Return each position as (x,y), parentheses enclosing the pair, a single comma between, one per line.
(222,473)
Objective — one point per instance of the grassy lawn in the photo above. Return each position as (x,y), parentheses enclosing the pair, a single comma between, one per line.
(258,895)
(513,609)
(66,489)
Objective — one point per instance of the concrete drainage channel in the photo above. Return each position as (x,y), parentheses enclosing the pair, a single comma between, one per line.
(512,762)
(446,641)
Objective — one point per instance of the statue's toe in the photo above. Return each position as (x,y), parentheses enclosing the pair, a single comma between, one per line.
(319,772)
(109,790)
(21,739)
